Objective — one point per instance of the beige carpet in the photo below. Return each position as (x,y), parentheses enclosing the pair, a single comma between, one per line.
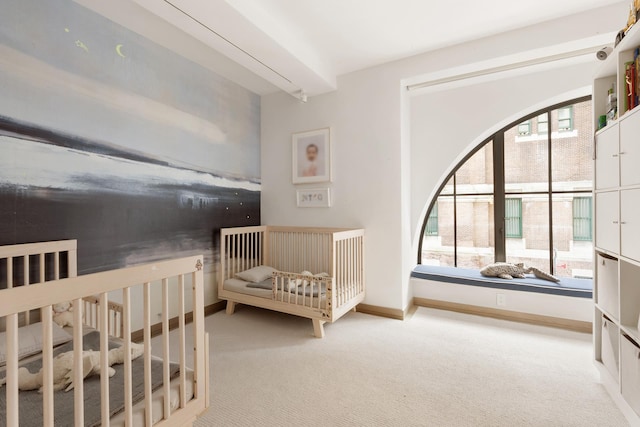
(436,369)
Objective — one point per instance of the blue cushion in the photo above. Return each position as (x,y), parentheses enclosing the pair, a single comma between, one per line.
(581,288)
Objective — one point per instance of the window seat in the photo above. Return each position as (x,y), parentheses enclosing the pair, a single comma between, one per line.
(580,288)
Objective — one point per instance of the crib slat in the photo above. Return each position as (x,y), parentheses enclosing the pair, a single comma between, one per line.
(207,383)
(266,245)
(78,390)
(25,260)
(12,360)
(42,268)
(47,366)
(9,272)
(260,258)
(253,257)
(232,256)
(12,357)
(103,309)
(56,265)
(128,382)
(182,342)
(147,353)
(166,377)
(72,263)
(197,296)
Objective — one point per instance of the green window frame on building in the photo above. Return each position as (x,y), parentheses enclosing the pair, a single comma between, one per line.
(565,119)
(513,218)
(582,219)
(432,221)
(543,124)
(524,128)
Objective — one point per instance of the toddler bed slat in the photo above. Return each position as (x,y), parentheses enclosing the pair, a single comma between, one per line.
(292,250)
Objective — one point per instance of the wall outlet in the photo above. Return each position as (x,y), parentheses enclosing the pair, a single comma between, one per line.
(501,300)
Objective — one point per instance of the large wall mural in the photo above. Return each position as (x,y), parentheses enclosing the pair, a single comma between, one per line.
(111,139)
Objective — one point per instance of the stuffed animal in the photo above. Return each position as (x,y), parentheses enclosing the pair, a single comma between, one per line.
(293,283)
(63,368)
(506,270)
(63,314)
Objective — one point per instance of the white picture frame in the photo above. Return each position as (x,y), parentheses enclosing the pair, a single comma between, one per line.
(311,156)
(313,198)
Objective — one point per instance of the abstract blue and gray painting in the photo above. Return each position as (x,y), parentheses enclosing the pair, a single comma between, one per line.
(114,140)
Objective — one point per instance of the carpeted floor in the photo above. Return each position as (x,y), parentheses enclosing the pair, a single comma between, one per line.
(436,369)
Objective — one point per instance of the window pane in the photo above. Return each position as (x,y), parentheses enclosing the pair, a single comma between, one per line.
(432,221)
(475,233)
(533,248)
(572,152)
(476,174)
(439,249)
(475,237)
(573,255)
(525,163)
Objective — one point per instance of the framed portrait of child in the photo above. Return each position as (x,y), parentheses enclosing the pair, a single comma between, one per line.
(312,156)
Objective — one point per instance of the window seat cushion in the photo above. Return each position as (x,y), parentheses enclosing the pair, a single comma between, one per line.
(581,288)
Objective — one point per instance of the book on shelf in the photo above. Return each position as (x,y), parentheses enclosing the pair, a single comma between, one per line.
(636,63)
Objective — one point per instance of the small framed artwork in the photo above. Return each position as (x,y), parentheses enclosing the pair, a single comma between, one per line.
(312,156)
(313,198)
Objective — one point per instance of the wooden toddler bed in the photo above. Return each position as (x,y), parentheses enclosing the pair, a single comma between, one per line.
(316,273)
(147,389)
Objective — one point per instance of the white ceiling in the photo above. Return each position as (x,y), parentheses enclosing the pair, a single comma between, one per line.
(304,44)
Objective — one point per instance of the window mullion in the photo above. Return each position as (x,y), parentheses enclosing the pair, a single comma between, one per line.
(498,197)
(552,264)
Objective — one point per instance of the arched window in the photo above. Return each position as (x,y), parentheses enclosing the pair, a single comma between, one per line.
(523,195)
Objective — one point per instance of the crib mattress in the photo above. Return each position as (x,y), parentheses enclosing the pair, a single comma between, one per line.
(138,415)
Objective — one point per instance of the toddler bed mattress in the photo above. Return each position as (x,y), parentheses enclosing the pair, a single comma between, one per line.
(264,289)
(257,289)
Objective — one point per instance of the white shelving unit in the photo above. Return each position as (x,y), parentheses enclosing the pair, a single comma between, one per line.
(617,235)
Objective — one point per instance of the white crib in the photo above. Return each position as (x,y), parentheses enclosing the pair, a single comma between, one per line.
(56,281)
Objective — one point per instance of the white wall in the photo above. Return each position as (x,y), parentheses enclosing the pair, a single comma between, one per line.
(384,166)
(558,306)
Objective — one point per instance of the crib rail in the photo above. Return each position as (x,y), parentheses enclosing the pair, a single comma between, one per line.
(30,263)
(152,278)
(303,290)
(241,250)
(349,279)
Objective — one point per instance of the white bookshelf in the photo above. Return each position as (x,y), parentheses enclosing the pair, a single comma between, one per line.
(617,235)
